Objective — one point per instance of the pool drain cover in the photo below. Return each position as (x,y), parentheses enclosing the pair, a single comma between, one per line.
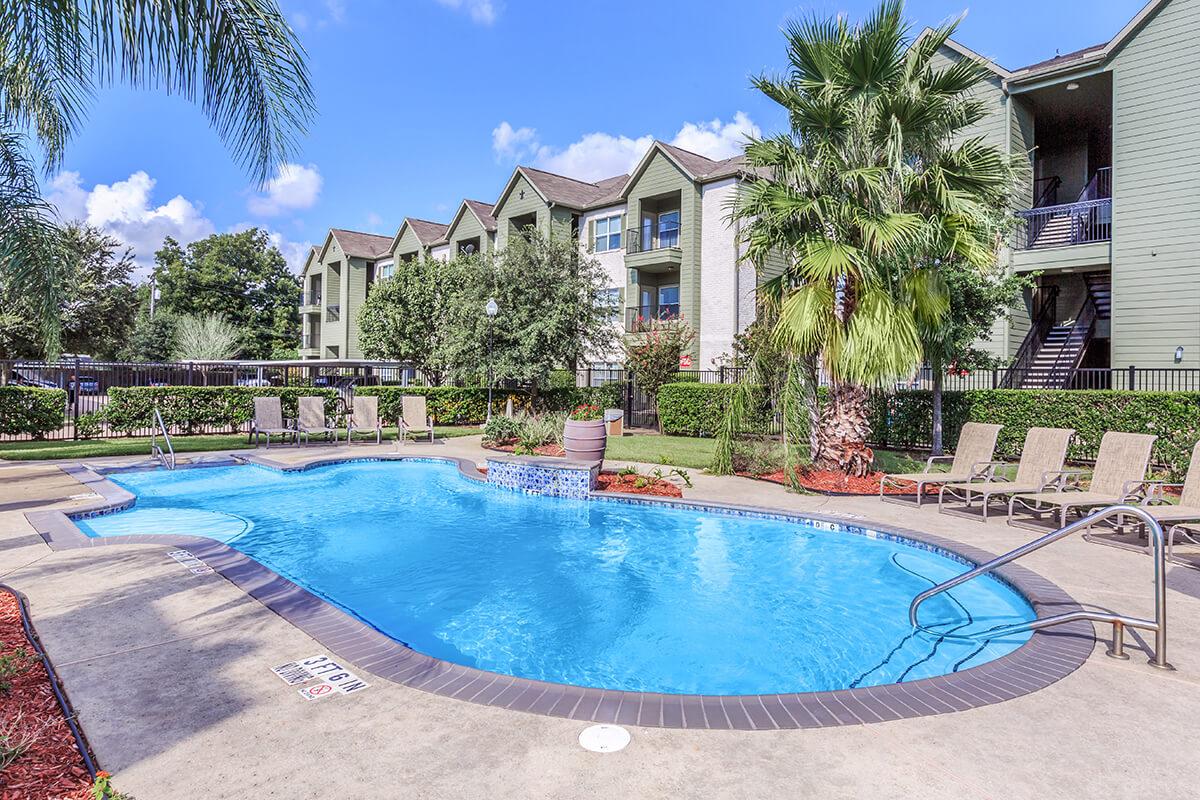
(604,738)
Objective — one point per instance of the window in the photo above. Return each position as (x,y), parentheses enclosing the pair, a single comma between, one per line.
(668,229)
(610,299)
(607,234)
(385,269)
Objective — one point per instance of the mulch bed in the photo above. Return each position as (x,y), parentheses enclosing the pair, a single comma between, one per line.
(627,484)
(542,450)
(831,482)
(51,767)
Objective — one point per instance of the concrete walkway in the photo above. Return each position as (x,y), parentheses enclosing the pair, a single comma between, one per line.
(170,673)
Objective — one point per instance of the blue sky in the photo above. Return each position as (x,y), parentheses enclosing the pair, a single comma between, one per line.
(425,102)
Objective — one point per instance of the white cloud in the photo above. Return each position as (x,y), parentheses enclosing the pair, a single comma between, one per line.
(125,210)
(293,252)
(336,9)
(293,187)
(482,11)
(601,155)
(374,221)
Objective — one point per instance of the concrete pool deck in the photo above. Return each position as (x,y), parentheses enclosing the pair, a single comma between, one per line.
(170,674)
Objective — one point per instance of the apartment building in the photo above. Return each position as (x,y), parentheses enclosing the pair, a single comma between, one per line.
(661,234)
(1109,219)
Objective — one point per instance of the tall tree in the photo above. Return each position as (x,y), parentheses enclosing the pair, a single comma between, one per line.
(240,276)
(205,338)
(403,317)
(872,188)
(98,306)
(240,60)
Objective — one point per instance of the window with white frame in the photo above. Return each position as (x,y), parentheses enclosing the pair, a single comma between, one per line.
(610,300)
(607,234)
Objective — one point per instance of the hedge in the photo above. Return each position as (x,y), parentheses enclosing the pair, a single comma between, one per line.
(696,409)
(1174,417)
(455,405)
(194,409)
(31,411)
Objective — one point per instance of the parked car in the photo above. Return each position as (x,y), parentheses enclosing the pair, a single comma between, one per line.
(17,378)
(253,382)
(88,384)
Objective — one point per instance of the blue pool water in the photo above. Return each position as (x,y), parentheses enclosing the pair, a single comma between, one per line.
(592,593)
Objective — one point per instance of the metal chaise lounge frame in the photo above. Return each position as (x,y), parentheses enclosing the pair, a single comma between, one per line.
(364,418)
(414,418)
(972,460)
(312,419)
(269,421)
(1040,467)
(1118,477)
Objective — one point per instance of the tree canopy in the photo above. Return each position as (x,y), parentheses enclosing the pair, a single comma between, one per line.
(239,276)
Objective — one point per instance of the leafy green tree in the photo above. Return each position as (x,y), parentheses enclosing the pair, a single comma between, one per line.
(404,316)
(241,60)
(98,306)
(153,338)
(872,188)
(240,276)
(549,317)
(205,338)
(652,353)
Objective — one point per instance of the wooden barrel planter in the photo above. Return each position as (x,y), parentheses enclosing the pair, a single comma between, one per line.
(585,440)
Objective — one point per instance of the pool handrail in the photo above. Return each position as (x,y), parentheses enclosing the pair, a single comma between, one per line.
(1118,621)
(155,447)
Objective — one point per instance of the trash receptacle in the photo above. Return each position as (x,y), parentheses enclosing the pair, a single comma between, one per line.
(614,421)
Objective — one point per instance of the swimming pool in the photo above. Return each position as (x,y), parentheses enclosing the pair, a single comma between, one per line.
(599,593)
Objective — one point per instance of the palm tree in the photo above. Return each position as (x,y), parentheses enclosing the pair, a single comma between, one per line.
(875,186)
(238,58)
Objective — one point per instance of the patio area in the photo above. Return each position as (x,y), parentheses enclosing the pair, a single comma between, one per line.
(170,673)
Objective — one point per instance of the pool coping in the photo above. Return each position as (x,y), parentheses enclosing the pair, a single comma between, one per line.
(1047,657)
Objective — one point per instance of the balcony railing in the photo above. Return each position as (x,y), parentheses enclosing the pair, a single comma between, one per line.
(1060,226)
(639,316)
(310,341)
(652,235)
(310,299)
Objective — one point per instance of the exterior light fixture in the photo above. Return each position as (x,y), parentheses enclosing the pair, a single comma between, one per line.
(491,309)
(1179,354)
(1072,86)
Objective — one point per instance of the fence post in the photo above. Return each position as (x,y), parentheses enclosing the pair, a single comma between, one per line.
(1132,377)
(628,401)
(75,401)
(190,366)
(995,377)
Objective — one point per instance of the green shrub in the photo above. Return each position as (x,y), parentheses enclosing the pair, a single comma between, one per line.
(194,409)
(501,429)
(565,398)
(904,419)
(448,405)
(696,409)
(542,429)
(31,411)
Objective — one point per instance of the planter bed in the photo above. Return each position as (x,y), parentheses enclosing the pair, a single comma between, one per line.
(51,766)
(834,483)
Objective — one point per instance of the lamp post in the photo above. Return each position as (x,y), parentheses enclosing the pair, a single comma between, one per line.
(491,310)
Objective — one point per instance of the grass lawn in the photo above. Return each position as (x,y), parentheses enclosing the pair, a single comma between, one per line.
(140,446)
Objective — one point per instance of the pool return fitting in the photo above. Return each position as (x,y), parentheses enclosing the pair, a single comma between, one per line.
(1118,621)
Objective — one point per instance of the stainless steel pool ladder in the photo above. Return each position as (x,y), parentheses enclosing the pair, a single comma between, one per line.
(1118,621)
(167,457)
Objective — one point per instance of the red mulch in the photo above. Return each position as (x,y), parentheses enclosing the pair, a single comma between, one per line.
(543,450)
(52,766)
(829,481)
(612,482)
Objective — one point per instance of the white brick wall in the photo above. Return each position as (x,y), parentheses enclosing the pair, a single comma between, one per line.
(726,291)
(613,262)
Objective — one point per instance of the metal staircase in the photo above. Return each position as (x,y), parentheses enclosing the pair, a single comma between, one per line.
(1051,353)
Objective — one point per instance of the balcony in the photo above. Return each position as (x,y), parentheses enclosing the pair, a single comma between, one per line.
(310,345)
(639,316)
(1086,221)
(654,247)
(310,303)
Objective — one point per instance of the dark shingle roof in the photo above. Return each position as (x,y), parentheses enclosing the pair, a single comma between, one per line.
(427,232)
(484,212)
(1065,59)
(362,245)
(565,191)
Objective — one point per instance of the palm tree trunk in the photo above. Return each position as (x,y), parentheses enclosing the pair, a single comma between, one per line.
(936,439)
(843,430)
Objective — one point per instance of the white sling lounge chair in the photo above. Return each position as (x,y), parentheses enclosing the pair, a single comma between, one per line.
(364,418)
(1042,458)
(970,462)
(414,418)
(312,420)
(269,421)
(1119,477)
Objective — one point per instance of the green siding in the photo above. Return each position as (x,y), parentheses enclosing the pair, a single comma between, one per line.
(356,280)
(407,244)
(1156,203)
(333,333)
(514,206)
(1020,142)
(660,177)
(469,227)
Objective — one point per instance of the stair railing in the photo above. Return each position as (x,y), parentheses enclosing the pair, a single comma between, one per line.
(1062,373)
(1044,316)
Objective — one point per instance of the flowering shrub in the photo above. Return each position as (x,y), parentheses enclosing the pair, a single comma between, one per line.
(652,353)
(586,413)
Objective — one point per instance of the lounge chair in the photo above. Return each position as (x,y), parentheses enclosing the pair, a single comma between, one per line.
(1119,477)
(313,420)
(364,418)
(970,462)
(268,421)
(414,418)
(1041,466)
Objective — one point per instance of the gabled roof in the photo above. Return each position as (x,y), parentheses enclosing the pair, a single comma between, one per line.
(308,260)
(561,190)
(357,244)
(482,212)
(427,233)
(700,169)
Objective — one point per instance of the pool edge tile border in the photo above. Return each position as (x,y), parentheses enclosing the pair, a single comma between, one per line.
(1047,657)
